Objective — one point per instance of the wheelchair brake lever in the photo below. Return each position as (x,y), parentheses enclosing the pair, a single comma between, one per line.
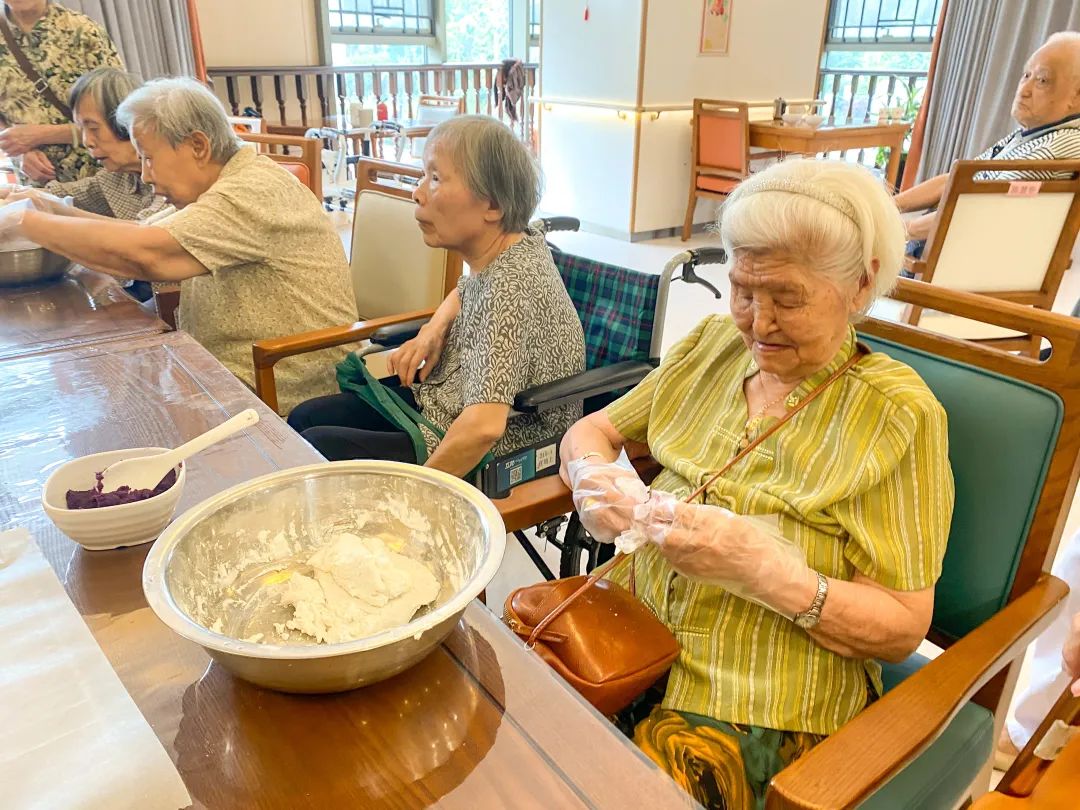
(690,276)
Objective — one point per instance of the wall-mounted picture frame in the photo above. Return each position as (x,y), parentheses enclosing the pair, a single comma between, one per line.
(715,27)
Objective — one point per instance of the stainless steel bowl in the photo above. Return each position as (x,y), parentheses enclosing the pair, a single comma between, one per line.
(439,519)
(30,266)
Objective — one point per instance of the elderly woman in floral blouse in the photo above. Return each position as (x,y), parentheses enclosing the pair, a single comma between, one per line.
(60,45)
(815,554)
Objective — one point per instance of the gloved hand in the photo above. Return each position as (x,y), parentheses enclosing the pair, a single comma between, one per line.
(11,216)
(7,189)
(44,201)
(746,556)
(605,495)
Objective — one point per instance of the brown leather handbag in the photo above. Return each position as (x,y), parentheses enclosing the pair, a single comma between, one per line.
(597,635)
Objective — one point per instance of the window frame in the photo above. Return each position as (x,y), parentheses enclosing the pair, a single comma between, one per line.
(433,42)
(833,43)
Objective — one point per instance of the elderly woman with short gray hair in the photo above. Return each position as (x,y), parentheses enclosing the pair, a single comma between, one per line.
(814,554)
(251,246)
(509,325)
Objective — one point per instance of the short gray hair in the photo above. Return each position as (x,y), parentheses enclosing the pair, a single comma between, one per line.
(1071,38)
(494,164)
(176,109)
(107,87)
(829,215)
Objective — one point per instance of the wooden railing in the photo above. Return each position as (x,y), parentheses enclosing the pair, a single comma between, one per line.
(291,99)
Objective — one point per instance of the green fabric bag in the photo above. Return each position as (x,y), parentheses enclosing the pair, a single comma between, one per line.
(354,377)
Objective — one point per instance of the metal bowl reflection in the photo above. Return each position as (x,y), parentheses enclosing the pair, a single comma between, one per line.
(30,266)
(438,519)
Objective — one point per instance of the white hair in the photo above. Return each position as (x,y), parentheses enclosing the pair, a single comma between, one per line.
(175,109)
(832,216)
(1071,38)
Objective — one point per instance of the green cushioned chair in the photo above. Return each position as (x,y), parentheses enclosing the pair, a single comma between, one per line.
(1014,433)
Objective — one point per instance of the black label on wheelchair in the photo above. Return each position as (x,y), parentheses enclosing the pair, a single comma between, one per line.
(506,472)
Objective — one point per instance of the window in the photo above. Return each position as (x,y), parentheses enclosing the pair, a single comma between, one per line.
(534,30)
(477,30)
(381,18)
(882,22)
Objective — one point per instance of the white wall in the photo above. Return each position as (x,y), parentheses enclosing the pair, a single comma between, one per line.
(773,51)
(595,60)
(258,33)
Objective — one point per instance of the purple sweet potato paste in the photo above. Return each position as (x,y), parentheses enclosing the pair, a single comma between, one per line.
(95,498)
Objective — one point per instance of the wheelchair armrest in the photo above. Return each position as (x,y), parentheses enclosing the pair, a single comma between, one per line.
(390,336)
(560,224)
(581,386)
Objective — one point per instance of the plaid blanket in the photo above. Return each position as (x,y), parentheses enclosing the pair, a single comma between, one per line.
(616,307)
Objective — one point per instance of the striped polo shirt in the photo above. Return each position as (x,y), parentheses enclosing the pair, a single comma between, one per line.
(1057,141)
(859,480)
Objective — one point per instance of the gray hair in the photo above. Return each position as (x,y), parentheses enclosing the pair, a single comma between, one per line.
(1072,39)
(107,87)
(175,109)
(494,164)
(831,216)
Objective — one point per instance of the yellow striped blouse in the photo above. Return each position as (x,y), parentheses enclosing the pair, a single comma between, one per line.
(859,479)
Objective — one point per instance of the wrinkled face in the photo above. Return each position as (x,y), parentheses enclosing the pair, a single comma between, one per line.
(1049,88)
(27,6)
(793,319)
(177,173)
(115,154)
(448,213)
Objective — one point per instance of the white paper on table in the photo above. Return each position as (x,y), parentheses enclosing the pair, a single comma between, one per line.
(70,735)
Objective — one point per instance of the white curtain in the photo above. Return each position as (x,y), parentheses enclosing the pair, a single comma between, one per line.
(984,45)
(153,36)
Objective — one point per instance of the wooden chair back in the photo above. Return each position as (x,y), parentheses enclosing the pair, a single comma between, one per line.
(434,109)
(1010,240)
(720,152)
(393,270)
(306,167)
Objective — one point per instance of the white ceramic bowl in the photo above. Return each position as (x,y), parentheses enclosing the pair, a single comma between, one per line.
(812,120)
(127,524)
(793,119)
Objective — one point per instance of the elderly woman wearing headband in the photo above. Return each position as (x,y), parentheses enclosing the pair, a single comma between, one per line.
(816,553)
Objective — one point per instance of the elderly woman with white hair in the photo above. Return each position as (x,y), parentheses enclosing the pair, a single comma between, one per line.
(815,553)
(254,252)
(509,325)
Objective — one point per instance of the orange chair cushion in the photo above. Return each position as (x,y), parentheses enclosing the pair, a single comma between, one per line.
(299,171)
(721,185)
(722,142)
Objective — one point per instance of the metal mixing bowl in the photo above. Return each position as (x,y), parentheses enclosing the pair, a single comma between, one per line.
(434,517)
(30,266)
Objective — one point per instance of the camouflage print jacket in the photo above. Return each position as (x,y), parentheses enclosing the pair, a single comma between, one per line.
(62,46)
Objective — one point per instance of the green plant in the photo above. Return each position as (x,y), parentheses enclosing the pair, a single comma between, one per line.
(912,102)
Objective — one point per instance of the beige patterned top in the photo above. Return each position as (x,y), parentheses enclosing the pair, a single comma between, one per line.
(276,268)
(63,45)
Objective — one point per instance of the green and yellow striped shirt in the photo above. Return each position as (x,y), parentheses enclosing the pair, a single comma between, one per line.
(859,480)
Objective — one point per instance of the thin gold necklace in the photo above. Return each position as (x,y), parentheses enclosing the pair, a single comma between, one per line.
(753,423)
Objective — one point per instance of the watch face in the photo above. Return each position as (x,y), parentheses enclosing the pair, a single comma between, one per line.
(806,621)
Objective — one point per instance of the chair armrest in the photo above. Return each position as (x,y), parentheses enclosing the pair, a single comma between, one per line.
(267,353)
(914,266)
(895,729)
(581,386)
(391,336)
(534,502)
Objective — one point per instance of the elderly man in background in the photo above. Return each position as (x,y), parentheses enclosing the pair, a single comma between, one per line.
(1047,108)
(254,252)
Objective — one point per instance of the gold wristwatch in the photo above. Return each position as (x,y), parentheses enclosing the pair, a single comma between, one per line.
(810,617)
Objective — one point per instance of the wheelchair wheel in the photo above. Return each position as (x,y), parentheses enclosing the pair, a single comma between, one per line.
(579,548)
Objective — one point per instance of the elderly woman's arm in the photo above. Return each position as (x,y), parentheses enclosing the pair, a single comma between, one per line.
(122,249)
(470,436)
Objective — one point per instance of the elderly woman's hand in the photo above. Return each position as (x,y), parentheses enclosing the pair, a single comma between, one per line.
(38,167)
(7,189)
(605,495)
(20,139)
(11,217)
(421,354)
(710,544)
(44,201)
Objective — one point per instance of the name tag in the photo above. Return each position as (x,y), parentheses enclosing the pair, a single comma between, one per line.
(1024,188)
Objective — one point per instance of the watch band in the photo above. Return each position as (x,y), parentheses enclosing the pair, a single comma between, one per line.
(810,617)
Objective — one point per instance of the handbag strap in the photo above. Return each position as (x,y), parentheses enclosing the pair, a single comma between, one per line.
(620,559)
(40,85)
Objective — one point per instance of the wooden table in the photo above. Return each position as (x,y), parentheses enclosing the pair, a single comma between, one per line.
(82,308)
(807,141)
(480,723)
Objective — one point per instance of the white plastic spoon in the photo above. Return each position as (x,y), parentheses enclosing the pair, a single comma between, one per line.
(146,472)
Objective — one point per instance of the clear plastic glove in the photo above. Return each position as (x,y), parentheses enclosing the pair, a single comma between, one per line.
(11,216)
(746,556)
(44,201)
(7,189)
(605,495)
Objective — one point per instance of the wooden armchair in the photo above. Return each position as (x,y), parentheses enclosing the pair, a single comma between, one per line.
(396,277)
(307,166)
(1014,438)
(1007,240)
